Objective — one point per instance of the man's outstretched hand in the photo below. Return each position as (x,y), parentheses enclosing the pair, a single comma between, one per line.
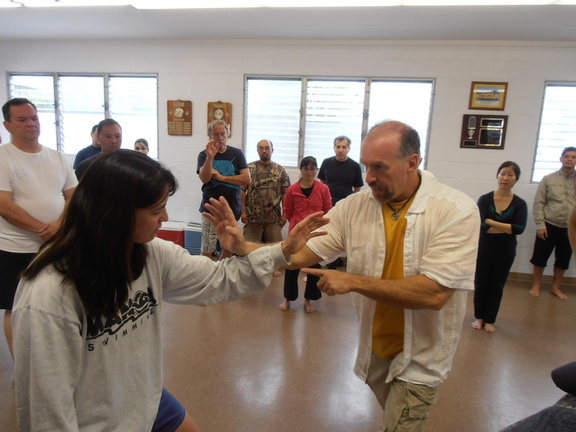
(227,229)
(230,235)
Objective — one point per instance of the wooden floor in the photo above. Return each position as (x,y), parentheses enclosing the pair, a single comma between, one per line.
(248,367)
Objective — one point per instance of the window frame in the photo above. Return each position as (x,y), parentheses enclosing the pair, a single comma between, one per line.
(424,145)
(541,126)
(58,113)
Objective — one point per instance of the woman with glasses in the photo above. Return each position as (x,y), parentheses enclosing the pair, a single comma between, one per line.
(303,198)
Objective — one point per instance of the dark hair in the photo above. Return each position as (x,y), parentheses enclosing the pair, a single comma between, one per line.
(568,149)
(342,138)
(94,128)
(409,138)
(512,165)
(143,141)
(94,248)
(14,102)
(107,122)
(308,160)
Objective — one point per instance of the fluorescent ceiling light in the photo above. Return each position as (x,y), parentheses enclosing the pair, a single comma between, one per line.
(61,3)
(203,4)
(195,4)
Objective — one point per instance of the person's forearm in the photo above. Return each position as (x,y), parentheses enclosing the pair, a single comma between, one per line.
(20,218)
(414,292)
(249,247)
(304,258)
(499,226)
(237,180)
(205,171)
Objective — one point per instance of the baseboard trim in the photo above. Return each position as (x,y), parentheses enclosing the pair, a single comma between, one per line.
(527,277)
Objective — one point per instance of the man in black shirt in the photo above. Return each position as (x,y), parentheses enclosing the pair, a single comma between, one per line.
(342,175)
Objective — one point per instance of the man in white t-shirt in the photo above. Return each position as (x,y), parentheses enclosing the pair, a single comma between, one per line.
(35,183)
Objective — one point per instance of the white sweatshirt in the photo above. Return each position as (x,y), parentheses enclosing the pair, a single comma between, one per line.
(76,373)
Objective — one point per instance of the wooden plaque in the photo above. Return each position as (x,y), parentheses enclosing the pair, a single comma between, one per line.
(179,117)
(220,111)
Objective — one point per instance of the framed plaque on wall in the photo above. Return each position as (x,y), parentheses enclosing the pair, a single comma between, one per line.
(179,117)
(483,131)
(220,111)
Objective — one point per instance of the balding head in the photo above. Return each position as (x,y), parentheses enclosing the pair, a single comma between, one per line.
(265,149)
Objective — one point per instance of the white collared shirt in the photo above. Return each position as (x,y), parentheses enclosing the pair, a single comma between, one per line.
(441,241)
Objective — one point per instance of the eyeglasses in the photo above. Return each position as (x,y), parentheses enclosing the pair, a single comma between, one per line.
(264,148)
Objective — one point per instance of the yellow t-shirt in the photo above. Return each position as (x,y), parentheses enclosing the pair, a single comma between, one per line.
(388,325)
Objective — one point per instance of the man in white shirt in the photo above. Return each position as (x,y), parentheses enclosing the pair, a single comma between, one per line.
(411,246)
(35,183)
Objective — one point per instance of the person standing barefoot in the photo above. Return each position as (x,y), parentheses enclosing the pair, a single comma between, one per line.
(303,198)
(553,203)
(503,217)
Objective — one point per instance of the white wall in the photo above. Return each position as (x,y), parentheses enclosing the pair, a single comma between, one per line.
(209,71)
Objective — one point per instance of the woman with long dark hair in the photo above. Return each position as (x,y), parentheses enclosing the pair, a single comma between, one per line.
(87,334)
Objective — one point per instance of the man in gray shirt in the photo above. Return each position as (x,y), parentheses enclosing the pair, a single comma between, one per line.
(553,203)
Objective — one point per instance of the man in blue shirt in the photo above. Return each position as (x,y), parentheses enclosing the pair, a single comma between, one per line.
(223,171)
(87,152)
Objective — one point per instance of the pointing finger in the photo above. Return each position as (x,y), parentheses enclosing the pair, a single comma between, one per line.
(314,272)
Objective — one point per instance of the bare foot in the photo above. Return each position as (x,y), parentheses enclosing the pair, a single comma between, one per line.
(308,306)
(277,273)
(284,306)
(477,324)
(489,328)
(559,294)
(534,292)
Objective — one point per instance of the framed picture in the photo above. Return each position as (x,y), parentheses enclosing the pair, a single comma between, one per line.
(488,95)
(483,131)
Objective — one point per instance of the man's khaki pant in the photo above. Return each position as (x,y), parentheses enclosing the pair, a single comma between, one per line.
(405,405)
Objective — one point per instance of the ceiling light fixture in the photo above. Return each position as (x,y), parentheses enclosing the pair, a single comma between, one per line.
(61,3)
(197,4)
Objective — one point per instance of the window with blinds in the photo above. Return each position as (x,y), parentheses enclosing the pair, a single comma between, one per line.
(81,107)
(333,108)
(303,115)
(39,89)
(69,105)
(557,128)
(272,110)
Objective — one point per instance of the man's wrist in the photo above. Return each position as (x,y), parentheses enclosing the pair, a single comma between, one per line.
(285,251)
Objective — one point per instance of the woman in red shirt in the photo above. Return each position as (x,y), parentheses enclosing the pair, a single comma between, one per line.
(302,199)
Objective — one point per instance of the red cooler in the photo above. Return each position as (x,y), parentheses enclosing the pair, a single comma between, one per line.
(173,231)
